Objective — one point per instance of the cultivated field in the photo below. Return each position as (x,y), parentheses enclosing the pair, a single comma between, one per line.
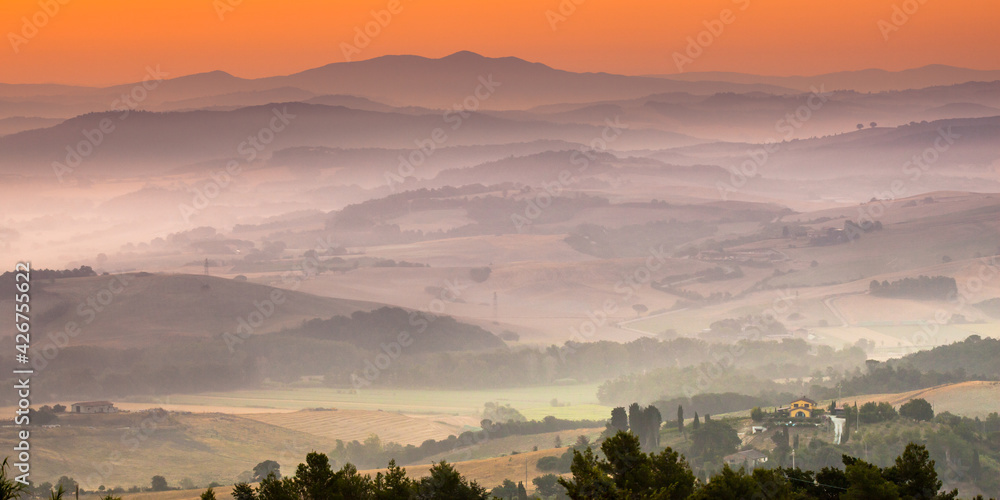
(349,425)
(534,400)
(130,448)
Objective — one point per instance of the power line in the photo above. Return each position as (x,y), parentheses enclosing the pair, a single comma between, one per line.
(814,483)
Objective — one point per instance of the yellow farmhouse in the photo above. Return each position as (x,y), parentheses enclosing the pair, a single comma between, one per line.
(802,408)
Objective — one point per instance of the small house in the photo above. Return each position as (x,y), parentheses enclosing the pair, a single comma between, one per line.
(802,408)
(93,407)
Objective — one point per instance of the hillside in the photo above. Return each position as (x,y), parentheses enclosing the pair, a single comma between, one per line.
(140,309)
(976,399)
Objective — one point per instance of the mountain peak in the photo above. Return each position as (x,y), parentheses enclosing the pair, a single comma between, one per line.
(464,55)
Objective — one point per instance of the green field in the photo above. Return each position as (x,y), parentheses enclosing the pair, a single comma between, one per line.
(534,401)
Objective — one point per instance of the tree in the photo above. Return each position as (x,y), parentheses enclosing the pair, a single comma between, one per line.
(635,415)
(548,486)
(10,488)
(714,440)
(209,494)
(861,126)
(445,482)
(730,484)
(68,484)
(628,473)
(696,424)
(680,419)
(627,465)
(265,469)
(873,124)
(393,484)
(914,474)
(558,442)
(917,409)
(159,483)
(639,309)
(866,482)
(756,414)
(651,420)
(506,491)
(619,420)
(672,475)
(243,491)
(589,480)
(522,494)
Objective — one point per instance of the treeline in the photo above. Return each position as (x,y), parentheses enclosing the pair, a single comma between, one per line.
(922,287)
(976,357)
(373,452)
(883,378)
(716,403)
(45,274)
(971,359)
(316,479)
(832,375)
(231,362)
(964,450)
(635,240)
(625,471)
(392,329)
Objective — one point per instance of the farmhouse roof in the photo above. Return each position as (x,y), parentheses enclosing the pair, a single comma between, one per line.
(94,403)
(807,400)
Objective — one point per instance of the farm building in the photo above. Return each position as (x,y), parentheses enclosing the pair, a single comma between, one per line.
(800,408)
(749,458)
(93,407)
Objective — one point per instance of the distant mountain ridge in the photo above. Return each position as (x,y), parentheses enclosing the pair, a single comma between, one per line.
(866,80)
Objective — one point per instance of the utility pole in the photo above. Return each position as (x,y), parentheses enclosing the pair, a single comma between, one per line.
(793,458)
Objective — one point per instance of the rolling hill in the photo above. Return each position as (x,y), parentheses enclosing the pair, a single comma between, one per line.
(137,309)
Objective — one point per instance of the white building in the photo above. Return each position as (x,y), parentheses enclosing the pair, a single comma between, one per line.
(93,407)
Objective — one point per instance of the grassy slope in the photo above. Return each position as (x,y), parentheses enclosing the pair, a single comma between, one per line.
(152,307)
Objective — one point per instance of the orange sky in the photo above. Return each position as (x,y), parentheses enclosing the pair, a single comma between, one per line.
(100,42)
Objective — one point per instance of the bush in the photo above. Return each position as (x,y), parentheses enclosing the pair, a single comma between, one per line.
(917,409)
